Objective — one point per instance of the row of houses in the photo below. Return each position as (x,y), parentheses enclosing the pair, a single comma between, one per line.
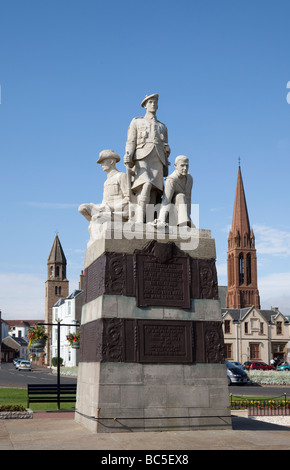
(14,333)
(249,333)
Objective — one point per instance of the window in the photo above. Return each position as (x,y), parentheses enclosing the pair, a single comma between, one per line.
(279,328)
(228,351)
(242,299)
(246,327)
(227,326)
(57,271)
(254,351)
(261,328)
(69,308)
(248,265)
(51,270)
(241,269)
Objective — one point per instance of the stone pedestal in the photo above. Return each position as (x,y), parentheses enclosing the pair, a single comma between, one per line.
(151,354)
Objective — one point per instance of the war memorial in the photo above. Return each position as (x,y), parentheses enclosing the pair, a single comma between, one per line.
(151,356)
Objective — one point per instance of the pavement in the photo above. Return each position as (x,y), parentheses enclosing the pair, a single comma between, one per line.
(58,430)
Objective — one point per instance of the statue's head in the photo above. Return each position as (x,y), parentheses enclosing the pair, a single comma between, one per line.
(150,102)
(181,165)
(108,159)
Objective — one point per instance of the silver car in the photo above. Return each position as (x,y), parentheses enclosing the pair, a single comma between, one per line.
(24,365)
(236,375)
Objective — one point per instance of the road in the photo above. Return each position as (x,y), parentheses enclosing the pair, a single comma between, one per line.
(260,390)
(11,377)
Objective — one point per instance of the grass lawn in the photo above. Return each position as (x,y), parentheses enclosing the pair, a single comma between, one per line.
(18,396)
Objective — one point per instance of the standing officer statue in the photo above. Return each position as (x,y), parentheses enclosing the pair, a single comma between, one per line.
(147,153)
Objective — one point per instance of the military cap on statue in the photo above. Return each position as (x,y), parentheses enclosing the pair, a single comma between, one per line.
(104,154)
(147,97)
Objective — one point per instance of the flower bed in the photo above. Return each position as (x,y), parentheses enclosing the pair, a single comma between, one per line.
(270,377)
(15,412)
(262,407)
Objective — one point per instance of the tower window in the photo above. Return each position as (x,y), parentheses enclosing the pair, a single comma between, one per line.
(248,266)
(57,290)
(51,270)
(241,269)
(57,271)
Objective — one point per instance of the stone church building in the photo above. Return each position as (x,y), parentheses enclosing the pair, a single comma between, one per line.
(249,332)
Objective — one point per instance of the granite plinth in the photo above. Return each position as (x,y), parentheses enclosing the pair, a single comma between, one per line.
(158,366)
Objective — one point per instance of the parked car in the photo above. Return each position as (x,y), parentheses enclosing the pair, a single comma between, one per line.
(257,365)
(24,365)
(15,360)
(236,363)
(284,366)
(236,375)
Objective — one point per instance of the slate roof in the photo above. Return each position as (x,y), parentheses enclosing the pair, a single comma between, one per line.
(74,294)
(23,323)
(239,313)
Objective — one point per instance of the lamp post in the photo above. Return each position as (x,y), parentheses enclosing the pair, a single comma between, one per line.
(58,351)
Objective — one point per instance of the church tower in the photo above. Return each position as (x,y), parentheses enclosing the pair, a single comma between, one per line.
(56,285)
(242,290)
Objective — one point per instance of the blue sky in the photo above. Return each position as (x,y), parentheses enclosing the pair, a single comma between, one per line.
(73,75)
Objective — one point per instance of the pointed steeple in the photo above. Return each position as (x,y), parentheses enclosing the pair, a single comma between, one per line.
(242,288)
(240,222)
(56,254)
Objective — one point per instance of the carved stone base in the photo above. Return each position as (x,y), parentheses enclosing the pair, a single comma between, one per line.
(151,353)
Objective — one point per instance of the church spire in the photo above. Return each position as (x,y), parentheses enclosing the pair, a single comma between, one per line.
(240,221)
(242,290)
(56,262)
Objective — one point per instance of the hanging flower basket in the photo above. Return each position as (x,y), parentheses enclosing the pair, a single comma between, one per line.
(74,339)
(37,337)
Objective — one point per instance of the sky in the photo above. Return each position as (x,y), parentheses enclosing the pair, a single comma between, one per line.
(72,76)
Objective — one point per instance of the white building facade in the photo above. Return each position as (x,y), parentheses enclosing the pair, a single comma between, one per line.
(19,328)
(254,334)
(68,312)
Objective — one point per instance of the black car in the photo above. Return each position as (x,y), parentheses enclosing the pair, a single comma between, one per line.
(236,375)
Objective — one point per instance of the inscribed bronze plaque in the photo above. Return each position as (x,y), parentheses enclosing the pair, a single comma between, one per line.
(165,341)
(162,277)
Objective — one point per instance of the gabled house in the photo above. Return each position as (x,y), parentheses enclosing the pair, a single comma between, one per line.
(254,334)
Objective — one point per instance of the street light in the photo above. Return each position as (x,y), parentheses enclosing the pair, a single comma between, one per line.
(58,351)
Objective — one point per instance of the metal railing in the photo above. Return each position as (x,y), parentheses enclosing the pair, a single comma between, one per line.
(272,406)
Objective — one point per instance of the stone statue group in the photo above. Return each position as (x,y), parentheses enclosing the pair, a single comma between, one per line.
(129,196)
